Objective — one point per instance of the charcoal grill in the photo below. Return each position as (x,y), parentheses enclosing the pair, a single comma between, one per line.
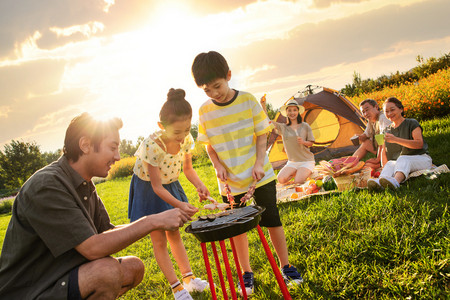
(225,226)
(233,223)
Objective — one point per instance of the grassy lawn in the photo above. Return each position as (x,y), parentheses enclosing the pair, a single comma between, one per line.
(351,245)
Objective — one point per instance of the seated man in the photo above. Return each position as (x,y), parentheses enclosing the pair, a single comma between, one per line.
(377,123)
(59,239)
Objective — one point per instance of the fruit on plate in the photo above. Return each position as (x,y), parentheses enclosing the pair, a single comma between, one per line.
(294,196)
(319,183)
(312,188)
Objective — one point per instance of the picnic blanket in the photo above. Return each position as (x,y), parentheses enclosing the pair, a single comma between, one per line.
(284,192)
(434,170)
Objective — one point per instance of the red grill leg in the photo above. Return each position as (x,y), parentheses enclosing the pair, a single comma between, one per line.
(219,271)
(228,269)
(275,269)
(238,269)
(208,271)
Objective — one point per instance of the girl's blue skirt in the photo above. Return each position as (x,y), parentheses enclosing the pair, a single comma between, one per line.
(143,200)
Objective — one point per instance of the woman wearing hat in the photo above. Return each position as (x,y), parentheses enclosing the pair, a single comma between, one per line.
(297,138)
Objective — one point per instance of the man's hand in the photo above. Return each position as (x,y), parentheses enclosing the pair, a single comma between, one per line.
(362,137)
(171,219)
(374,160)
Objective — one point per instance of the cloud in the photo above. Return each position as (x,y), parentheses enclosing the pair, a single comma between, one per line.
(311,47)
(42,116)
(327,3)
(21,19)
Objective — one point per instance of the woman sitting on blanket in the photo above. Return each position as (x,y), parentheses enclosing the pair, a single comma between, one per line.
(404,150)
(297,138)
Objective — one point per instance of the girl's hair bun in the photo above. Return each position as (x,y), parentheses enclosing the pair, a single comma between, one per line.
(176,94)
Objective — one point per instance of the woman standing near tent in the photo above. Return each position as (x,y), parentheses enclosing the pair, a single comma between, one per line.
(297,138)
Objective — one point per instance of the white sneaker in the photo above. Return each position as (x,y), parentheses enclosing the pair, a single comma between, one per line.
(373,184)
(196,285)
(389,182)
(182,295)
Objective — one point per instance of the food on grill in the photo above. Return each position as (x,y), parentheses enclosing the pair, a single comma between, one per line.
(211,217)
(216,205)
(223,206)
(210,206)
(226,223)
(249,193)
(230,197)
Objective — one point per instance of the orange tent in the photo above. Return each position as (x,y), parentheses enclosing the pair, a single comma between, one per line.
(333,120)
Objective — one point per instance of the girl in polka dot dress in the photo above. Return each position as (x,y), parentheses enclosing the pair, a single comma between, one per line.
(155,187)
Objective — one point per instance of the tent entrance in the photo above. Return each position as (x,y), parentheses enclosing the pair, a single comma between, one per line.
(324,125)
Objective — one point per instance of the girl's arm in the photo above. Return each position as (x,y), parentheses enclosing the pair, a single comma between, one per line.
(221,172)
(415,143)
(192,176)
(155,179)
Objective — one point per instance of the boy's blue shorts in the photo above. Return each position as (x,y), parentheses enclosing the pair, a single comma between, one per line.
(265,196)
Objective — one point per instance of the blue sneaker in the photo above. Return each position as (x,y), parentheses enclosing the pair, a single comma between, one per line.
(249,283)
(291,275)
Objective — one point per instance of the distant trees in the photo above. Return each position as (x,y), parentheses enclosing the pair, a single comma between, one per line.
(127,148)
(18,162)
(424,69)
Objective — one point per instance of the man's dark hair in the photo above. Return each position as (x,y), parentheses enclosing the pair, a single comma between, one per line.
(208,67)
(85,125)
(371,102)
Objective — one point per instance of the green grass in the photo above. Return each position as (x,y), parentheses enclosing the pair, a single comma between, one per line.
(351,245)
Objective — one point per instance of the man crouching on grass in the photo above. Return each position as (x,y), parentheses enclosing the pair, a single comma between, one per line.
(59,239)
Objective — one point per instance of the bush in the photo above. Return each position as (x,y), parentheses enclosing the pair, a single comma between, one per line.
(6,205)
(199,154)
(425,99)
(122,168)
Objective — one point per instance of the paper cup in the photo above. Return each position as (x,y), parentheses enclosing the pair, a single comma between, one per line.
(379,138)
(355,140)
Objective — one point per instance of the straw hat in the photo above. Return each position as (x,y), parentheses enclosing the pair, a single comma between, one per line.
(291,102)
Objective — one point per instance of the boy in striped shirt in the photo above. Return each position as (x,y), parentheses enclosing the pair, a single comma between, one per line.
(234,129)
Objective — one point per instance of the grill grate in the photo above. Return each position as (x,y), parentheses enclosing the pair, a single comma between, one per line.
(234,214)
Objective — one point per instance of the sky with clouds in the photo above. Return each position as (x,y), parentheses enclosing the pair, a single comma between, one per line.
(59,58)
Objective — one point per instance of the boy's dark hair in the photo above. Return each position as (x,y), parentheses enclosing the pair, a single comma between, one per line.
(371,102)
(208,67)
(85,125)
(176,108)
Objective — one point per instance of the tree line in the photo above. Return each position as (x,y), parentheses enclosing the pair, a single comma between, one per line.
(422,70)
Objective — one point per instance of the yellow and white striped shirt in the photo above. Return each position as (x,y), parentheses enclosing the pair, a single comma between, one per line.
(231,129)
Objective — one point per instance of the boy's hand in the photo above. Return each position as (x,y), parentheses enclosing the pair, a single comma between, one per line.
(221,172)
(258,172)
(203,192)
